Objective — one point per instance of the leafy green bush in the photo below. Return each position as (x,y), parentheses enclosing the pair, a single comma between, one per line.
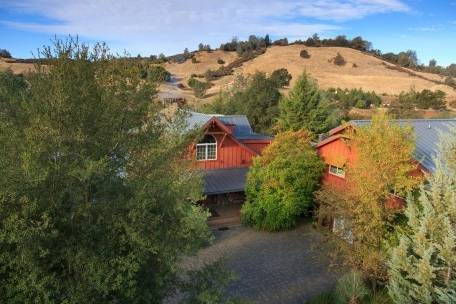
(199,87)
(339,60)
(347,99)
(280,183)
(158,73)
(281,77)
(220,61)
(423,100)
(194,60)
(304,54)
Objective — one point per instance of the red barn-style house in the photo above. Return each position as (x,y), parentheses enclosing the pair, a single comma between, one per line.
(224,154)
(338,155)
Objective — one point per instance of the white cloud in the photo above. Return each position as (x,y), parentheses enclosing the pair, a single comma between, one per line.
(173,24)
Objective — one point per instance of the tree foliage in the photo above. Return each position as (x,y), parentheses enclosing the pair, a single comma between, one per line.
(256,96)
(383,166)
(280,183)
(95,199)
(306,107)
(4,53)
(422,266)
(199,87)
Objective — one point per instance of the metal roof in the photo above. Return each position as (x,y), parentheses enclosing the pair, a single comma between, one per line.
(219,181)
(242,128)
(427,132)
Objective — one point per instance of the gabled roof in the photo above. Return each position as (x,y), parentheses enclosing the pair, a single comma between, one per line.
(242,129)
(427,132)
(224,180)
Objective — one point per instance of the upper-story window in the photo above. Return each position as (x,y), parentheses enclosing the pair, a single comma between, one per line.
(206,149)
(336,171)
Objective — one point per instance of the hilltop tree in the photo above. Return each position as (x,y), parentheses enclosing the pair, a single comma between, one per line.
(95,198)
(281,181)
(423,264)
(305,107)
(5,53)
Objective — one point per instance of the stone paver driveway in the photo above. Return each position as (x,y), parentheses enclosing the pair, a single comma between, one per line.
(286,267)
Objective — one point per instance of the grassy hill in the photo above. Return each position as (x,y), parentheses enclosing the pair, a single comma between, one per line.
(361,70)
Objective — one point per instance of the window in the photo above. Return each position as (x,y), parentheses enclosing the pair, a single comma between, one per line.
(336,171)
(206,149)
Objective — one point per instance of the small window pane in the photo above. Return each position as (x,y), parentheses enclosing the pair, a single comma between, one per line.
(336,171)
(211,151)
(200,152)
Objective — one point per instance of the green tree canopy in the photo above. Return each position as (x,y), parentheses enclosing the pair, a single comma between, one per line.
(95,200)
(305,107)
(281,181)
(422,266)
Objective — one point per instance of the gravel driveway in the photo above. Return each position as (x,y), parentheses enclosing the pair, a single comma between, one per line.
(285,267)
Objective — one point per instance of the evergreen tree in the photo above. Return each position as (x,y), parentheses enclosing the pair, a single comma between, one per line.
(95,198)
(305,107)
(422,267)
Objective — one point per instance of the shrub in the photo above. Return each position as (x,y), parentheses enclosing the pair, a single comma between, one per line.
(194,60)
(281,77)
(450,81)
(354,65)
(220,61)
(158,74)
(351,289)
(304,54)
(5,53)
(423,100)
(280,183)
(339,60)
(199,87)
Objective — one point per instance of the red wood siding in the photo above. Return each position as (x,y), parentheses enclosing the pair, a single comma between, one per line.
(336,153)
(229,155)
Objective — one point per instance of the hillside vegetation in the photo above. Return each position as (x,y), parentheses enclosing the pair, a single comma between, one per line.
(360,71)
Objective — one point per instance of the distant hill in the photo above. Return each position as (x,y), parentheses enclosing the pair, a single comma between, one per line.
(360,71)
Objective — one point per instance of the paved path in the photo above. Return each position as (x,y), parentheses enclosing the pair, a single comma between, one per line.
(287,267)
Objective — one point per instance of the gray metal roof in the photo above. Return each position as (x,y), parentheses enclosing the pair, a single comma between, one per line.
(242,128)
(224,180)
(427,132)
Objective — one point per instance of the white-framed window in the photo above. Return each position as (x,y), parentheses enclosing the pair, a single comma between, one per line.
(206,149)
(336,171)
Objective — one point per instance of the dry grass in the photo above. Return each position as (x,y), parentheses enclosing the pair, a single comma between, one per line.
(16,67)
(371,73)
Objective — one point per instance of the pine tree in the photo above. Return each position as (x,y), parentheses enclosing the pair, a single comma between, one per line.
(422,267)
(305,108)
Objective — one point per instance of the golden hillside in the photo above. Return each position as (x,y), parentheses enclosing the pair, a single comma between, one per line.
(370,73)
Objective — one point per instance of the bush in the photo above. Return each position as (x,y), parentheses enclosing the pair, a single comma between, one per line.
(158,74)
(199,87)
(5,53)
(304,54)
(281,77)
(351,289)
(280,183)
(354,65)
(347,99)
(450,81)
(423,100)
(220,61)
(194,60)
(339,60)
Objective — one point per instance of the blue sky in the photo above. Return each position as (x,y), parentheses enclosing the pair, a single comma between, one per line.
(150,27)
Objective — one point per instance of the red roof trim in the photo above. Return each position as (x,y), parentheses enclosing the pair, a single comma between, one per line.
(340,128)
(330,139)
(220,124)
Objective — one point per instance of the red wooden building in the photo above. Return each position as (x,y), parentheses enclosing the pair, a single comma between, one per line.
(225,153)
(339,155)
